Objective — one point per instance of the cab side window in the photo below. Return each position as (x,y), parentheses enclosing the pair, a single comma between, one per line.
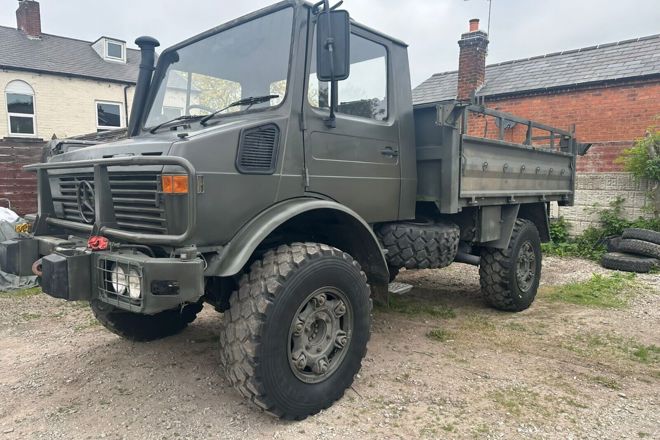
(364,93)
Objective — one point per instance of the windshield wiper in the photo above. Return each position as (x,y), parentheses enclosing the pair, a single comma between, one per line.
(245,101)
(179,118)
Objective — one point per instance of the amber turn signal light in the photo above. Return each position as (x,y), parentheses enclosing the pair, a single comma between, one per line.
(177,184)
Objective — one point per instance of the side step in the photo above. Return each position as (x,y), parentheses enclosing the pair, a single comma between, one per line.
(399,288)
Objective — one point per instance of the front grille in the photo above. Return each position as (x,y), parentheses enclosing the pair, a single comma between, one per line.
(135,198)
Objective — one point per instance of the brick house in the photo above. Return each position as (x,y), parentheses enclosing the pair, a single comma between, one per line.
(54,86)
(611,92)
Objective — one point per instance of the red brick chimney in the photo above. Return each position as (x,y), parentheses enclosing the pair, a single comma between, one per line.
(28,18)
(472,61)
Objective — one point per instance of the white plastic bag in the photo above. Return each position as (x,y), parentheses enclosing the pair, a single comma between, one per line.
(7,215)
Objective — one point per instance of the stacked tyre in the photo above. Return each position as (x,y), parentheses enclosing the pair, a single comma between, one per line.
(638,250)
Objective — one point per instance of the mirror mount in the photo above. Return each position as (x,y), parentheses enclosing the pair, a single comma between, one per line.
(333,50)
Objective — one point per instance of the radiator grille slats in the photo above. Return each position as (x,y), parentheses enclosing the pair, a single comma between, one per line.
(135,198)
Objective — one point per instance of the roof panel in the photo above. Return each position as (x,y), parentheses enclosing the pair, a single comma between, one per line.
(612,61)
(62,55)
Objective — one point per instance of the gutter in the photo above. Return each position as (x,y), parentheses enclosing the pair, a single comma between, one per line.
(126,87)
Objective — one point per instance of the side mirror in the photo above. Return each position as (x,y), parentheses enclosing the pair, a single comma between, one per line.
(333,46)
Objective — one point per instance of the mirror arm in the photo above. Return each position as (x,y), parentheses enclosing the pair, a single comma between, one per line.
(331,121)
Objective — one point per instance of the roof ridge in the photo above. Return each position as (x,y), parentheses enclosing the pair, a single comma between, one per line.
(71,38)
(578,50)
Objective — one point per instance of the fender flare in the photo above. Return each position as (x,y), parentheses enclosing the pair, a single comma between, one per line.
(238,251)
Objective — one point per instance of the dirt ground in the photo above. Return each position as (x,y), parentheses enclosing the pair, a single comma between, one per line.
(556,371)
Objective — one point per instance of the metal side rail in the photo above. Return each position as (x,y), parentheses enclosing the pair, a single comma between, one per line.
(105,221)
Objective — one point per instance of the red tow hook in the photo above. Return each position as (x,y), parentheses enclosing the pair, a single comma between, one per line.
(36,268)
(98,243)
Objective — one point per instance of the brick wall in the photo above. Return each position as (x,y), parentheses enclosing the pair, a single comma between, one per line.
(17,185)
(611,118)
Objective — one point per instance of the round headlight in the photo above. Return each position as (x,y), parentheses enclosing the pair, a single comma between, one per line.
(118,279)
(134,286)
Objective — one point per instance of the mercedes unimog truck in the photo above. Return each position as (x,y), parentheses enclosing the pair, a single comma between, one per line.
(275,168)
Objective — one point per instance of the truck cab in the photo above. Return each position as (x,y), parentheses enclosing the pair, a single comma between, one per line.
(276,170)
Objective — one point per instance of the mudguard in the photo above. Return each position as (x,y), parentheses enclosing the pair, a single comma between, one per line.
(366,249)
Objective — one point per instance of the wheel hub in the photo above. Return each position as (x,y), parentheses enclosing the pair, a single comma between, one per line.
(526,267)
(319,334)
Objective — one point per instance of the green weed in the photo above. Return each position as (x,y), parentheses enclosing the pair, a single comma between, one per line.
(612,291)
(440,335)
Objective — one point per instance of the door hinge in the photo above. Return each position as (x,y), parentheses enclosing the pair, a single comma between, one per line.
(303,126)
(306,177)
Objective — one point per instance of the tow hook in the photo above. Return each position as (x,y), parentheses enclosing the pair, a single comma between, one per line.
(36,268)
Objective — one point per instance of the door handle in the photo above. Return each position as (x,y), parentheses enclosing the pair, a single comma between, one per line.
(389,152)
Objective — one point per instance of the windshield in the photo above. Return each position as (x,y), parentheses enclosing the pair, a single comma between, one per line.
(249,60)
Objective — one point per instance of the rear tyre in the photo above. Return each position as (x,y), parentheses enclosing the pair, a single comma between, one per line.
(628,263)
(297,329)
(142,328)
(510,278)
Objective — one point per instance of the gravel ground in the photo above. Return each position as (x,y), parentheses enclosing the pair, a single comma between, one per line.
(555,371)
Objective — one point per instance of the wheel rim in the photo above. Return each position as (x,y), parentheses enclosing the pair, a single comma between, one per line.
(320,335)
(526,267)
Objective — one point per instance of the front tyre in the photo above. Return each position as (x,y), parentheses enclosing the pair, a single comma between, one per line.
(297,329)
(143,328)
(510,277)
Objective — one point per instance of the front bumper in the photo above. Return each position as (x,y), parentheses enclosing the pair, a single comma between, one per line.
(73,273)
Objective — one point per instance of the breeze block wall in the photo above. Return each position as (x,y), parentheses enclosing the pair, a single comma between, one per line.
(610,117)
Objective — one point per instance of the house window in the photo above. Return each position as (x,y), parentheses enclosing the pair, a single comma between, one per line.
(364,92)
(20,109)
(108,115)
(115,50)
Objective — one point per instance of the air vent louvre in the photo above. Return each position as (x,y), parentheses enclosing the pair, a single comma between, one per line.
(257,151)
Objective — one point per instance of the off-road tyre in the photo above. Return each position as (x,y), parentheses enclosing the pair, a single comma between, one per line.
(143,328)
(612,244)
(639,247)
(499,268)
(642,234)
(419,245)
(628,263)
(394,272)
(255,338)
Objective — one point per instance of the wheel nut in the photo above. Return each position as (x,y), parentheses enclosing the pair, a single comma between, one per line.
(319,300)
(301,362)
(340,309)
(322,366)
(340,340)
(298,328)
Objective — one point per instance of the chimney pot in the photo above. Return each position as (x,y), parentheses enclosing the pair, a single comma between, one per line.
(28,18)
(474,25)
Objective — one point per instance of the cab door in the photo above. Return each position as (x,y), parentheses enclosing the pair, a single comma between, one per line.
(357,162)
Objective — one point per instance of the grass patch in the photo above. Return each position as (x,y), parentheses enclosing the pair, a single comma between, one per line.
(599,344)
(613,291)
(30,316)
(478,323)
(87,324)
(440,335)
(21,293)
(607,382)
(516,399)
(412,306)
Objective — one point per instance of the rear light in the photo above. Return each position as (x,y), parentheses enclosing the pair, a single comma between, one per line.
(176,184)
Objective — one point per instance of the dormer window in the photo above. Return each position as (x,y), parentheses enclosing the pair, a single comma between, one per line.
(114,50)
(110,49)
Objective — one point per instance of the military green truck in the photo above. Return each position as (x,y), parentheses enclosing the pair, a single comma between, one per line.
(275,168)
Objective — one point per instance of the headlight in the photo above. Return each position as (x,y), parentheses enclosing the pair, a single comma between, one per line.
(134,286)
(118,279)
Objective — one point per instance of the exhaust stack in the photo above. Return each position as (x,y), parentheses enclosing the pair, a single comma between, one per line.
(147,47)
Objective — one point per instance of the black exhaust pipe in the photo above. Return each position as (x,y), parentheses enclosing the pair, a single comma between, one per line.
(147,47)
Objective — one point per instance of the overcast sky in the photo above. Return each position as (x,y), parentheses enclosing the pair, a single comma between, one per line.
(519,28)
